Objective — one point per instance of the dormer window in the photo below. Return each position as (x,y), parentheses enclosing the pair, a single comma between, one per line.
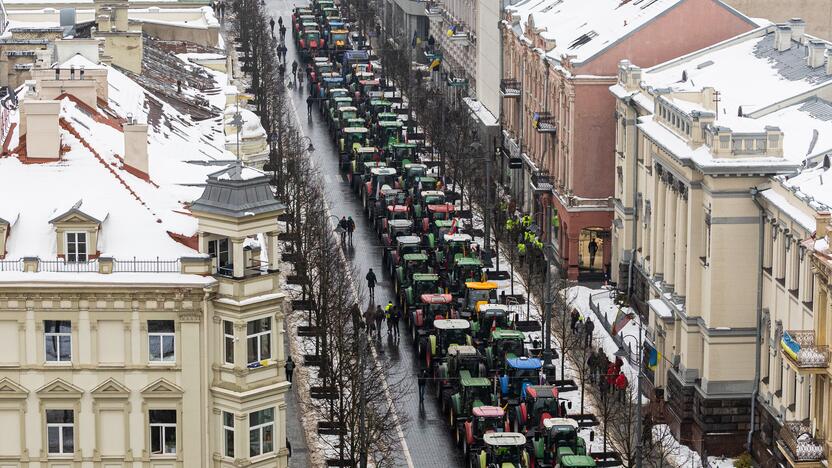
(218,249)
(76,247)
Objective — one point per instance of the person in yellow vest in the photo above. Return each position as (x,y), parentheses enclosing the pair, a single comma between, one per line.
(521,252)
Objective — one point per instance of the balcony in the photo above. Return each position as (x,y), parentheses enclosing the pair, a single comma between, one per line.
(798,445)
(541,182)
(433,10)
(543,122)
(510,88)
(803,355)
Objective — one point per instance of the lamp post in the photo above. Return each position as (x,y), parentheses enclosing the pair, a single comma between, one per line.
(628,353)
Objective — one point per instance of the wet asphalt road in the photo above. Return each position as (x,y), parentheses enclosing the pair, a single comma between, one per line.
(426,432)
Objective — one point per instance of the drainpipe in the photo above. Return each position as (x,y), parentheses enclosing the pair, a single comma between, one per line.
(758,340)
(629,101)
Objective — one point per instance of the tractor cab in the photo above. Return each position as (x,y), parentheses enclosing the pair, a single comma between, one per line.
(520,372)
(410,171)
(388,133)
(363,174)
(331,12)
(484,420)
(301,15)
(350,139)
(341,114)
(503,346)
(465,269)
(310,42)
(387,117)
(366,85)
(501,449)
(400,246)
(411,264)
(320,67)
(377,106)
(329,81)
(560,445)
(441,211)
(403,152)
(436,230)
(420,283)
(334,93)
(395,229)
(491,318)
(463,362)
(446,333)
(337,102)
(379,178)
(423,198)
(453,246)
(387,197)
(540,404)
(431,307)
(477,293)
(473,393)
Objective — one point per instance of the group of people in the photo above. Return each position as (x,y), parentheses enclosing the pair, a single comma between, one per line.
(346,227)
(219,9)
(607,374)
(582,326)
(375,318)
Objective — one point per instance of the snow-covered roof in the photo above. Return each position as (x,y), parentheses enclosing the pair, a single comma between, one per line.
(79,61)
(139,218)
(582,28)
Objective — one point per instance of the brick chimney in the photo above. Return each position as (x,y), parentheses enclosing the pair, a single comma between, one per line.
(783,37)
(817,53)
(43,137)
(135,149)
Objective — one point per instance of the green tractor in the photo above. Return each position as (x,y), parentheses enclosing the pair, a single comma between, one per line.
(463,361)
(444,211)
(424,198)
(387,133)
(451,247)
(350,138)
(559,445)
(484,420)
(338,117)
(401,246)
(431,307)
(465,269)
(437,230)
(444,334)
(490,318)
(473,392)
(410,172)
(402,153)
(360,155)
(501,449)
(504,345)
(411,264)
(420,283)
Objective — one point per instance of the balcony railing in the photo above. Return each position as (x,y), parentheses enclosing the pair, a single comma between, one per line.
(11,265)
(543,122)
(510,88)
(800,347)
(146,266)
(227,271)
(62,266)
(798,440)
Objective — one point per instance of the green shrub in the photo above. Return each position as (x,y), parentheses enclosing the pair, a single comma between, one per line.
(743,461)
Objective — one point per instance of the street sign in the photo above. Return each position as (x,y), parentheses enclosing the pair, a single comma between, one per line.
(515,163)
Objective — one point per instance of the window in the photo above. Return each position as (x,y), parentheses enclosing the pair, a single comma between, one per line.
(228,332)
(259,339)
(60,431)
(218,249)
(228,433)
(76,246)
(261,432)
(161,340)
(162,432)
(57,335)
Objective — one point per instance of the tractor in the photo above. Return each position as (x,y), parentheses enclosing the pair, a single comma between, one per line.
(432,307)
(387,133)
(360,155)
(389,196)
(310,42)
(424,198)
(463,361)
(437,230)
(379,178)
(501,449)
(410,264)
(399,213)
(350,139)
(445,333)
(502,346)
(464,269)
(339,116)
(399,247)
(490,318)
(451,247)
(559,445)
(484,420)
(520,372)
(473,392)
(403,153)
(476,294)
(442,211)
(410,172)
(540,403)
(393,230)
(362,174)
(420,283)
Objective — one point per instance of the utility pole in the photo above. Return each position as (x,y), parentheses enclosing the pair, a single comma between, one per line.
(488,207)
(548,299)
(362,402)
(638,396)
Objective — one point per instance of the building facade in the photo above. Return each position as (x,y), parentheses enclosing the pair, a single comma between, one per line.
(141,323)
(559,60)
(714,201)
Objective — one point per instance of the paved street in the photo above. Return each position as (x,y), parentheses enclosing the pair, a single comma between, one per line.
(427,436)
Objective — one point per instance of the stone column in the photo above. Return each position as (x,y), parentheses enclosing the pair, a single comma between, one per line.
(670,231)
(657,261)
(681,242)
(191,439)
(238,257)
(272,249)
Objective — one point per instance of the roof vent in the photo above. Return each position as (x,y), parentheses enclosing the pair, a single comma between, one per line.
(817,50)
(798,28)
(783,37)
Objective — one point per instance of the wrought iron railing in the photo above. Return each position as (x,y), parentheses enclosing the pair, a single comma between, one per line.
(510,87)
(798,439)
(807,354)
(146,266)
(227,271)
(62,266)
(11,265)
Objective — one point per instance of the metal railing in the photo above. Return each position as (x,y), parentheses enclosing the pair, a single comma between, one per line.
(798,439)
(146,266)
(63,266)
(227,271)
(810,355)
(11,265)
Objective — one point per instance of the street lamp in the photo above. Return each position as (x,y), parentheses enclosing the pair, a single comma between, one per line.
(476,148)
(628,353)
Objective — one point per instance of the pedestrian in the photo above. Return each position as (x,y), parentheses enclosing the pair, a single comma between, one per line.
(593,249)
(369,319)
(295,68)
(290,368)
(282,32)
(371,284)
(618,364)
(309,101)
(604,386)
(601,366)
(592,364)
(350,226)
(280,20)
(611,374)
(395,315)
(423,381)
(271,25)
(589,327)
(282,70)
(621,385)
(562,409)
(342,228)
(379,319)
(573,319)
(289,447)
(388,313)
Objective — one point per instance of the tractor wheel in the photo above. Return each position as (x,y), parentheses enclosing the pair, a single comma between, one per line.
(459,437)
(465,447)
(451,418)
(445,399)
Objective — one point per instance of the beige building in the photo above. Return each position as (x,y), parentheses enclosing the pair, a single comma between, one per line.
(714,154)
(140,319)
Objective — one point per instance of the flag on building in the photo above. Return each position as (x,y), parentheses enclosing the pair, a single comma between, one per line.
(435,63)
(622,318)
(451,31)
(653,357)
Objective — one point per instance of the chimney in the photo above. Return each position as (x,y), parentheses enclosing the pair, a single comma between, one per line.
(783,37)
(135,149)
(829,61)
(43,137)
(822,220)
(817,53)
(798,28)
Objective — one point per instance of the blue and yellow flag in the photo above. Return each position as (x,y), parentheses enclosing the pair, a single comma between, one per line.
(451,30)
(653,358)
(436,62)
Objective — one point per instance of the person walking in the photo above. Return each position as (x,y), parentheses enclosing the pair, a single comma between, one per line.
(379,320)
(371,284)
(395,315)
(593,249)
(592,364)
(280,20)
(388,313)
(290,368)
(342,228)
(350,226)
(282,32)
(423,382)
(573,319)
(621,385)
(271,25)
(309,101)
(369,320)
(589,327)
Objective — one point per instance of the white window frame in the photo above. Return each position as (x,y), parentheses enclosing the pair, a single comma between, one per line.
(259,430)
(226,429)
(161,336)
(47,335)
(215,246)
(229,341)
(163,430)
(258,337)
(78,256)
(61,427)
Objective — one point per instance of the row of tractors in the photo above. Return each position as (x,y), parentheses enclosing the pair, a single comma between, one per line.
(485,378)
